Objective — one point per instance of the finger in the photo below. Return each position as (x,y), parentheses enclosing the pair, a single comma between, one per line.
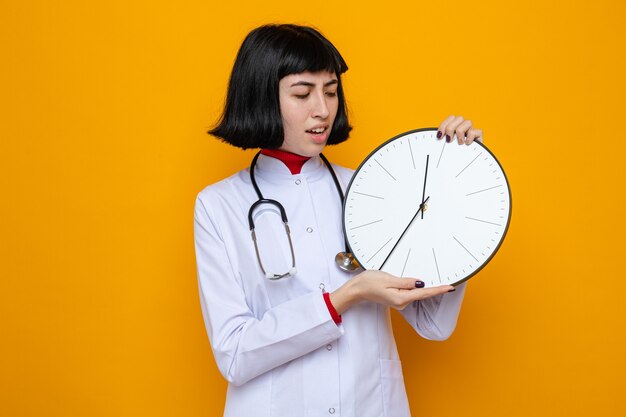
(443,126)
(479,135)
(421,294)
(471,135)
(451,127)
(462,130)
(405,283)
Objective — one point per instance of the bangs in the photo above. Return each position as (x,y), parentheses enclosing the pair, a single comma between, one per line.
(308,52)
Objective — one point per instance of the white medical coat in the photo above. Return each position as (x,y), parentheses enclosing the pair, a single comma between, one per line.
(275,341)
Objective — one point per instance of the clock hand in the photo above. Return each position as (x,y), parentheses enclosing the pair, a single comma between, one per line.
(421,208)
(424,191)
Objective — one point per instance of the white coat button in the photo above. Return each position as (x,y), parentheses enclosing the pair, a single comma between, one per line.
(322,286)
(329,347)
(309,229)
(331,410)
(298,182)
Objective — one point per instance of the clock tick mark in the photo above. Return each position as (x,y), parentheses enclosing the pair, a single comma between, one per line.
(436,265)
(484,221)
(367,224)
(381,248)
(370,195)
(441,154)
(411,152)
(405,261)
(471,162)
(394,178)
(486,189)
(457,241)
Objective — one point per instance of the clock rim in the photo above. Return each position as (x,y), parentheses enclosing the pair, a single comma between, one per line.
(506,180)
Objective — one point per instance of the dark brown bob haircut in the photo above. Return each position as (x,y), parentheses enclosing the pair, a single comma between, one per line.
(251,117)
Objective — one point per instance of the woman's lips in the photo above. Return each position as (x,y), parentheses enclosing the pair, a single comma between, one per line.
(319,138)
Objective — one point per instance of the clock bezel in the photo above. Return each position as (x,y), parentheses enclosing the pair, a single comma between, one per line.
(401,135)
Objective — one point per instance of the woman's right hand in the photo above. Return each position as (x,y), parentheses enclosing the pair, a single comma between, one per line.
(382,288)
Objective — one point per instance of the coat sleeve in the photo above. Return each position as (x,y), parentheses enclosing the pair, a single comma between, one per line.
(245,346)
(435,318)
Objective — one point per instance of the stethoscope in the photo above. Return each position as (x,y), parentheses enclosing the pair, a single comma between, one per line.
(345,260)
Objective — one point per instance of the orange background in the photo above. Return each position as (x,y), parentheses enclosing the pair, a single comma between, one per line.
(103,112)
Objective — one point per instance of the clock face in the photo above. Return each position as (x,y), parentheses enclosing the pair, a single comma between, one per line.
(423,208)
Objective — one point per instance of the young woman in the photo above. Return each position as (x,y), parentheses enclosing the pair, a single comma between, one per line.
(293,333)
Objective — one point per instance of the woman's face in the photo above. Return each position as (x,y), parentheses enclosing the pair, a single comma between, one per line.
(308,106)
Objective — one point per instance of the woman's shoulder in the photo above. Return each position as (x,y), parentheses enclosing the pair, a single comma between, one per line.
(223,189)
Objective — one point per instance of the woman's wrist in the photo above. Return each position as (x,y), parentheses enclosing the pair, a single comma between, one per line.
(345,296)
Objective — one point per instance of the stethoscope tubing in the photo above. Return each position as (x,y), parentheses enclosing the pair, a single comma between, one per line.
(283,215)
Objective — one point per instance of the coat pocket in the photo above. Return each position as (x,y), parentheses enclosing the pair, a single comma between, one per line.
(395,400)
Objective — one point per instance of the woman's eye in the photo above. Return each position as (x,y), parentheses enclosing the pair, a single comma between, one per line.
(302,96)
(331,93)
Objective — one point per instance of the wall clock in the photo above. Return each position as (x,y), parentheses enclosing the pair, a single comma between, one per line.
(424,208)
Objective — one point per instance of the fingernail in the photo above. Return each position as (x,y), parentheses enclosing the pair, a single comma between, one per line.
(452,290)
(439,134)
(448,138)
(419,284)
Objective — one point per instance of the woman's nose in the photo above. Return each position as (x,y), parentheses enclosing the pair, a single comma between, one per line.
(320,108)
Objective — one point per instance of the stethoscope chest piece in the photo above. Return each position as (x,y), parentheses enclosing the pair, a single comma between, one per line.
(346,261)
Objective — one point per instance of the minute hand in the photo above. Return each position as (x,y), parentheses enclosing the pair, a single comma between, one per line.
(421,208)
(425,177)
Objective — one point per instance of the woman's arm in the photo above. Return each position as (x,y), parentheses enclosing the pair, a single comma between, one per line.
(382,288)
(244,345)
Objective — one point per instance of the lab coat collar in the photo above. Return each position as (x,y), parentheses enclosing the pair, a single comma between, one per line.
(272,169)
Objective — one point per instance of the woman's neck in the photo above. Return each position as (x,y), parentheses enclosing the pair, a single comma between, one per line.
(293,161)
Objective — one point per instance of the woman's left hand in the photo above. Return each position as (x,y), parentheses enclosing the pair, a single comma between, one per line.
(461,128)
